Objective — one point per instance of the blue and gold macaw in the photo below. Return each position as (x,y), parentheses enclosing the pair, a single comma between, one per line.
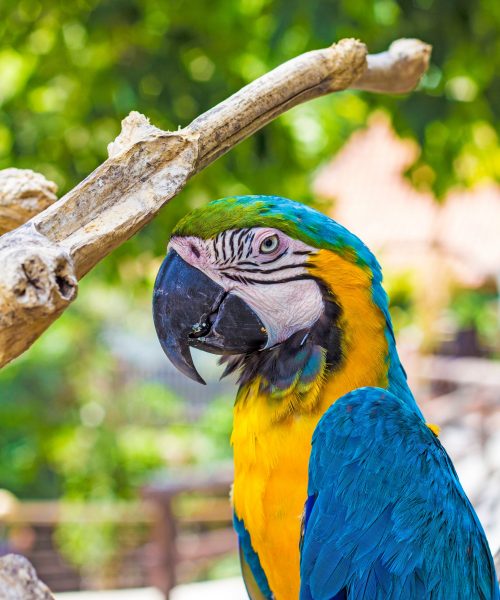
(324,418)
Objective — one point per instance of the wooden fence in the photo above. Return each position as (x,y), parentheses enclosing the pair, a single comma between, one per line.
(174,534)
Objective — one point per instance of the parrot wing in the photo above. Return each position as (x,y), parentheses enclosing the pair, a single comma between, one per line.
(386,517)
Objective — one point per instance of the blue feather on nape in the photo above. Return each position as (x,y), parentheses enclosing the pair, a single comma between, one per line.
(389,519)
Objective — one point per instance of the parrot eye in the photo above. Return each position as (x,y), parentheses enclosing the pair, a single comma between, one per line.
(269,244)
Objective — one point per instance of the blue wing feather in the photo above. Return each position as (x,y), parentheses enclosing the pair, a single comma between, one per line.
(386,516)
(254,577)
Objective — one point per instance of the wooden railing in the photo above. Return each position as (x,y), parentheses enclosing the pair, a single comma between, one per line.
(187,525)
(174,552)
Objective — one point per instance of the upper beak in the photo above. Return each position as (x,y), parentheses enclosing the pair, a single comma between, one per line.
(190,309)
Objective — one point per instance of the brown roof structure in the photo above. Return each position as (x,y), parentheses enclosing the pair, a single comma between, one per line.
(404,226)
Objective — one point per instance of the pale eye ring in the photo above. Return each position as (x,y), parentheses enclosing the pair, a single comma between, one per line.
(269,244)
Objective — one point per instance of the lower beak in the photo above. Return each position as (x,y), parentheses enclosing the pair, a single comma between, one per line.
(189,309)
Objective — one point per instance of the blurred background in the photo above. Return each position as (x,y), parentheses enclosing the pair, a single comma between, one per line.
(115,469)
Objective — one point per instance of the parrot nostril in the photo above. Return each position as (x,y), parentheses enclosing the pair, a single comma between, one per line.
(204,325)
(200,329)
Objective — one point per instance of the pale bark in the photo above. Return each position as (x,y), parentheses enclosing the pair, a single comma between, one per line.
(23,194)
(18,580)
(42,261)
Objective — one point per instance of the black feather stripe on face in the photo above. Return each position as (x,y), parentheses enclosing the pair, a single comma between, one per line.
(232,248)
(301,277)
(238,269)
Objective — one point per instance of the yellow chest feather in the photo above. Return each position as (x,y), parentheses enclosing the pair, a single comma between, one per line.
(269,491)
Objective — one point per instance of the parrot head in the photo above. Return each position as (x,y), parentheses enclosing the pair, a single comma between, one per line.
(242,278)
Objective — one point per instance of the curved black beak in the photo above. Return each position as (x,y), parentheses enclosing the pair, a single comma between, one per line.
(189,309)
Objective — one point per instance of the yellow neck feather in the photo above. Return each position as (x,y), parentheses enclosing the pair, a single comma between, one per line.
(272,440)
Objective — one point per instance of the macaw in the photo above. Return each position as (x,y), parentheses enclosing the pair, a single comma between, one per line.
(341,490)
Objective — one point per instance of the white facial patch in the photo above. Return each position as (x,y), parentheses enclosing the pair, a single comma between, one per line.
(285,308)
(265,268)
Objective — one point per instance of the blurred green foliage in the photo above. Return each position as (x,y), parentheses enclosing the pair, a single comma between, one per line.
(72,70)
(72,420)
(471,309)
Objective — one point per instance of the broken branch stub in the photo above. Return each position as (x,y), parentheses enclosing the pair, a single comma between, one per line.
(37,282)
(19,581)
(396,71)
(147,167)
(23,194)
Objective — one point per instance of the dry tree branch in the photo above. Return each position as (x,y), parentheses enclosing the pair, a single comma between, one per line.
(43,259)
